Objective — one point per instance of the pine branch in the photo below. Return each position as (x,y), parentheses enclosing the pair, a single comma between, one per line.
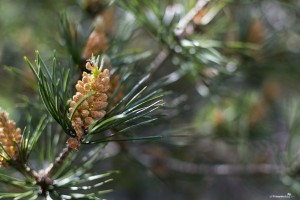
(54,167)
(159,60)
(209,169)
(182,24)
(25,170)
(223,169)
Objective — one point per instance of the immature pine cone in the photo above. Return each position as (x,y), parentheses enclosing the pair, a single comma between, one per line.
(97,41)
(93,108)
(10,139)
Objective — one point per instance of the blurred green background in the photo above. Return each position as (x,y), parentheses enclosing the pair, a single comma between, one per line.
(235,132)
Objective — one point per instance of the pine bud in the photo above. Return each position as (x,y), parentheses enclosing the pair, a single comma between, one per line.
(10,139)
(97,41)
(93,108)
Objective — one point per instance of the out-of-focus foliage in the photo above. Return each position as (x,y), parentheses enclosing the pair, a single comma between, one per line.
(232,67)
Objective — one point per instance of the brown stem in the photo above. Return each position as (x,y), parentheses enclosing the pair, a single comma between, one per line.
(30,172)
(52,169)
(44,181)
(43,178)
(25,169)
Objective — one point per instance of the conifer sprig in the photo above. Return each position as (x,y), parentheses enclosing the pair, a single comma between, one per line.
(54,88)
(138,105)
(71,37)
(194,50)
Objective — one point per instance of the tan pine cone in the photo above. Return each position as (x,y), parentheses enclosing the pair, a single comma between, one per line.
(256,33)
(10,139)
(97,41)
(93,108)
